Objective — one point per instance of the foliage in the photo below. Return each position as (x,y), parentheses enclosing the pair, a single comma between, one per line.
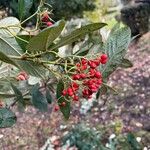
(115,47)
(71,8)
(86,138)
(20,8)
(62,8)
(37,56)
(101,11)
(7,118)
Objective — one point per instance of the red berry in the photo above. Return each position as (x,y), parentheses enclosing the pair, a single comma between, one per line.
(93,87)
(83,61)
(63,104)
(78,65)
(76,98)
(90,82)
(83,67)
(99,81)
(76,77)
(92,64)
(1,104)
(104,57)
(83,75)
(97,62)
(45,17)
(20,78)
(85,82)
(92,72)
(104,61)
(75,85)
(90,96)
(24,74)
(97,85)
(49,24)
(70,91)
(64,92)
(90,92)
(85,92)
(98,75)
(56,108)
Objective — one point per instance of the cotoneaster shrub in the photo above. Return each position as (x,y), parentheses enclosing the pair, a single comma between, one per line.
(41,77)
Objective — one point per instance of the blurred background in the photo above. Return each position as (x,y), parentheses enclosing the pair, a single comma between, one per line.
(110,121)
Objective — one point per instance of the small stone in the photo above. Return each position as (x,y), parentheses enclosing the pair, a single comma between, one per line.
(62,127)
(17,137)
(1,136)
(53,138)
(138,124)
(96,109)
(138,139)
(141,107)
(107,145)
(112,136)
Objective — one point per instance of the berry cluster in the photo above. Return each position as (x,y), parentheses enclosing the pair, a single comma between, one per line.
(86,75)
(22,76)
(1,104)
(46,19)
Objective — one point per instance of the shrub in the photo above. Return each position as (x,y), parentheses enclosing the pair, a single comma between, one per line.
(40,76)
(62,8)
(86,138)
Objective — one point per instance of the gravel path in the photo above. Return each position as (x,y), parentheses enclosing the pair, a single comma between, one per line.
(131,106)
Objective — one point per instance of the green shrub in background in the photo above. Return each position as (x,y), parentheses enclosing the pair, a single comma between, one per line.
(85,138)
(71,8)
(62,8)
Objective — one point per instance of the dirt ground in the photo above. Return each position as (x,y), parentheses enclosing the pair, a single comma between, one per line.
(131,106)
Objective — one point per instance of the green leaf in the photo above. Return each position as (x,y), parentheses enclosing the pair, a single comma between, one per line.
(9,24)
(60,88)
(77,34)
(126,63)
(48,96)
(65,109)
(23,41)
(7,118)
(19,97)
(38,99)
(24,7)
(92,46)
(101,91)
(116,47)
(9,46)
(21,8)
(32,68)
(33,80)
(28,5)
(83,52)
(110,88)
(44,39)
(5,95)
(133,142)
(50,56)
(6,59)
(115,27)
